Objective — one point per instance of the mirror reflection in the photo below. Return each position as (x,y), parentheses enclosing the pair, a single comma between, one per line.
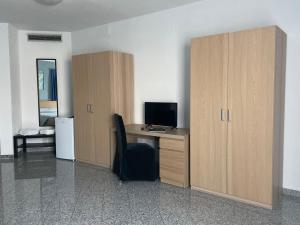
(47,91)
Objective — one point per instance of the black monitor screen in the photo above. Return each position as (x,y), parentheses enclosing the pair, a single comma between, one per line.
(160,113)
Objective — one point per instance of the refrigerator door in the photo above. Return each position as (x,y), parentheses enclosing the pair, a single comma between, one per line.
(64,138)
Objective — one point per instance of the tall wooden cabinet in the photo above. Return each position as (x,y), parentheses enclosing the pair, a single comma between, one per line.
(237,111)
(102,85)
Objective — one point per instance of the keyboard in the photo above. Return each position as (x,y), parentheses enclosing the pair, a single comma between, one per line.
(156,129)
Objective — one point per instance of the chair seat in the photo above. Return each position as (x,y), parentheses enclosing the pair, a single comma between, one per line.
(140,152)
(141,162)
(138,147)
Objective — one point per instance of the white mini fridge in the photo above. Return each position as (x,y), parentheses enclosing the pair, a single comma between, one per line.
(64,138)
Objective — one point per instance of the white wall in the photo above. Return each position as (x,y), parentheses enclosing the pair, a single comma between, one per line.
(6,143)
(18,84)
(286,14)
(160,44)
(29,51)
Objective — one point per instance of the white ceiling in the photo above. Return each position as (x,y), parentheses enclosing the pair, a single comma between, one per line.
(77,14)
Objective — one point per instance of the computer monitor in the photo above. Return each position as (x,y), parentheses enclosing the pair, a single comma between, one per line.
(161,113)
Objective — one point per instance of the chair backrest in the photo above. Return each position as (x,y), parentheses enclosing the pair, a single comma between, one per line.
(121,144)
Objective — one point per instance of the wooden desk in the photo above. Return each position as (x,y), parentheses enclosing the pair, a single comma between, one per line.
(173,152)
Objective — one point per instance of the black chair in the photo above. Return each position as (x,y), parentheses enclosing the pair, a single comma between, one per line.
(133,161)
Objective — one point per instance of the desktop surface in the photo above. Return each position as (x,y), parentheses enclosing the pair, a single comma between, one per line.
(140,129)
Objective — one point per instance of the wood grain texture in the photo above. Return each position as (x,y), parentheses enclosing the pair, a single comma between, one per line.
(139,129)
(251,80)
(172,182)
(174,161)
(99,87)
(167,143)
(187,179)
(122,85)
(208,96)
(122,90)
(83,121)
(171,165)
(278,131)
(108,90)
(224,195)
(256,88)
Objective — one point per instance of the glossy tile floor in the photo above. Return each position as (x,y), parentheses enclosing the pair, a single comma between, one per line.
(38,189)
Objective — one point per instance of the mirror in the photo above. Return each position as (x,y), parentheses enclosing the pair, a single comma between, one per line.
(47,91)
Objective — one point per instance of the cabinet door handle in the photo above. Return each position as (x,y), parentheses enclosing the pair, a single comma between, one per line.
(91,108)
(229,115)
(88,108)
(223,115)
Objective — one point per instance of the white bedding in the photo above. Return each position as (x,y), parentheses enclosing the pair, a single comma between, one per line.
(26,132)
(51,112)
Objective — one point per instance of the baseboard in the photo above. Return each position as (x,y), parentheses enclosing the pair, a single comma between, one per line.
(249,202)
(167,181)
(93,163)
(290,192)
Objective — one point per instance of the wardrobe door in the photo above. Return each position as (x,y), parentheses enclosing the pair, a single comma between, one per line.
(208,106)
(250,102)
(84,145)
(122,91)
(99,71)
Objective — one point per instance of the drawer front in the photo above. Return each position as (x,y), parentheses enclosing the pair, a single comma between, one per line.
(171,144)
(172,165)
(175,178)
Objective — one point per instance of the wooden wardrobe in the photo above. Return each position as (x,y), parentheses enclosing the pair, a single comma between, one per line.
(236,114)
(102,86)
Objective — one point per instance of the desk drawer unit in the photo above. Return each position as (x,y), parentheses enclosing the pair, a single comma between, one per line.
(173,156)
(172,144)
(172,166)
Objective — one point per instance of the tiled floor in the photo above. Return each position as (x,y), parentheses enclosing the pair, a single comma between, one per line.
(38,189)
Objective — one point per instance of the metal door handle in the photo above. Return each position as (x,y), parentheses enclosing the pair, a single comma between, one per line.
(223,116)
(229,116)
(91,108)
(88,108)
